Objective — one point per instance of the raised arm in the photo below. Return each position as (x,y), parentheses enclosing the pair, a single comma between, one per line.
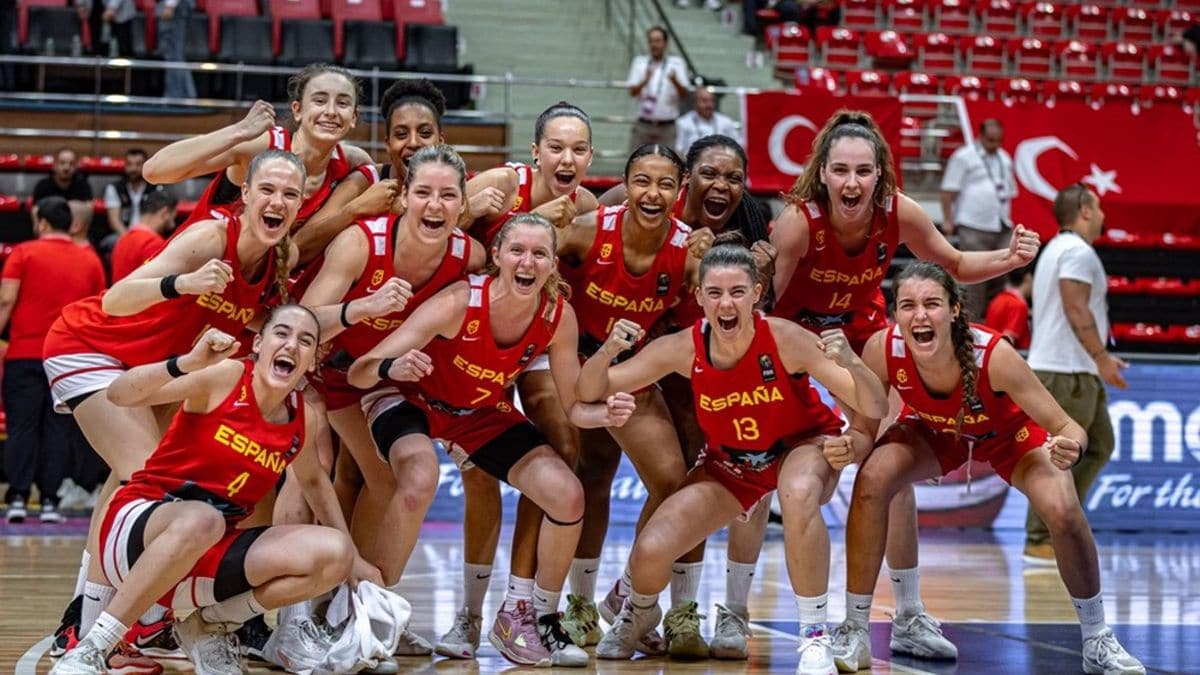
(442,315)
(353,198)
(564,369)
(193,259)
(1009,373)
(491,193)
(668,354)
(831,361)
(345,260)
(194,378)
(927,243)
(789,236)
(214,151)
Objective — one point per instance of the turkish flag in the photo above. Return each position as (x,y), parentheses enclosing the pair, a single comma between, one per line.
(1142,163)
(780,127)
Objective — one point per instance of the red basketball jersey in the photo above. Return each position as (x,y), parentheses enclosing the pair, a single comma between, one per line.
(221,193)
(833,289)
(230,457)
(603,290)
(172,326)
(381,237)
(523,203)
(989,416)
(375,173)
(752,412)
(470,371)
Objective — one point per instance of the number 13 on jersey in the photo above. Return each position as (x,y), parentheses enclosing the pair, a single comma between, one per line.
(746,428)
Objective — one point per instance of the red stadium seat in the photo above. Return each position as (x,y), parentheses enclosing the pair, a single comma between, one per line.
(290,10)
(868,83)
(363,12)
(839,46)
(1170,64)
(1088,22)
(817,79)
(983,54)
(418,11)
(217,9)
(1029,57)
(38,162)
(888,49)
(1134,25)
(1063,90)
(1160,93)
(1121,286)
(1189,5)
(102,164)
(968,86)
(951,16)
(1043,20)
(1103,93)
(10,162)
(860,13)
(910,82)
(10,204)
(936,52)
(1017,90)
(1123,61)
(1173,21)
(1180,241)
(1077,60)
(907,15)
(910,138)
(996,17)
(792,49)
(1188,335)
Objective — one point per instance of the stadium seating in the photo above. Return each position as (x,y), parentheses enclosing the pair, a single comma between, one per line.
(996,18)
(982,55)
(936,53)
(1043,20)
(839,47)
(1030,57)
(868,83)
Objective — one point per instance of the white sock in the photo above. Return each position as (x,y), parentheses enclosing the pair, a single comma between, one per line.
(519,589)
(95,600)
(475,582)
(738,579)
(685,582)
(582,577)
(239,609)
(906,588)
(642,600)
(1091,615)
(297,612)
(813,613)
(544,601)
(107,631)
(625,583)
(153,615)
(85,561)
(858,608)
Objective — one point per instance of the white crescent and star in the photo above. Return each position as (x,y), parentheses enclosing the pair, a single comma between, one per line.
(1025,166)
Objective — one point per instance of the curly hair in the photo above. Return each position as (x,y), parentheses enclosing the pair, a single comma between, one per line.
(420,92)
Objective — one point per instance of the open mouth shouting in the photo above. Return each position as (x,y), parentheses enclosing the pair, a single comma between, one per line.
(727,324)
(524,282)
(715,206)
(651,211)
(851,202)
(272,221)
(283,366)
(563,181)
(923,335)
(432,226)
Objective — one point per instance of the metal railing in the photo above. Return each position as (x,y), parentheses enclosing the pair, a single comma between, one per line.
(632,18)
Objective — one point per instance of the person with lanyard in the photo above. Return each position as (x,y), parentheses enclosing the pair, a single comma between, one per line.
(658,82)
(977,192)
(968,395)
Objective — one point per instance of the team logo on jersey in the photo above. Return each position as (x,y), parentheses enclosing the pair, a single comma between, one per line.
(974,404)
(473,327)
(881,251)
(820,240)
(527,355)
(1022,434)
(504,407)
(293,449)
(242,396)
(902,376)
(767,366)
(664,284)
(377,278)
(605,251)
(517,203)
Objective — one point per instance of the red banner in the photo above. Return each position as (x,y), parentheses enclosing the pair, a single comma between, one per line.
(780,128)
(1144,164)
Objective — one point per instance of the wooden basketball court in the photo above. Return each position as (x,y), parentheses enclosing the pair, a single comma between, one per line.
(1005,617)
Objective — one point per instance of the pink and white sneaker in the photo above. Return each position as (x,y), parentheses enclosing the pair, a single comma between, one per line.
(515,635)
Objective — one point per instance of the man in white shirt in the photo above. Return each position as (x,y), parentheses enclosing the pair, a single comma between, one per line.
(1069,350)
(977,191)
(658,82)
(703,120)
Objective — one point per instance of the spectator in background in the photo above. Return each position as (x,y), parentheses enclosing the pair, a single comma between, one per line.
(111,25)
(1190,39)
(145,237)
(658,82)
(39,279)
(703,120)
(173,18)
(977,191)
(123,197)
(1069,350)
(64,180)
(1008,312)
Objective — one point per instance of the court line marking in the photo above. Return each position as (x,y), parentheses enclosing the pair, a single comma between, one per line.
(27,664)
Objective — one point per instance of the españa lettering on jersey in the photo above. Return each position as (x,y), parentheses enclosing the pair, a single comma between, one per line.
(749,397)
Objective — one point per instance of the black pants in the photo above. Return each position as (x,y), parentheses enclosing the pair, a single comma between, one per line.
(43,446)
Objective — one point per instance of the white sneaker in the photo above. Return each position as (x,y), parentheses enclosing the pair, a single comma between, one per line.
(211,647)
(582,621)
(16,512)
(84,659)
(461,641)
(816,656)
(563,651)
(298,645)
(412,644)
(629,627)
(920,635)
(730,636)
(1104,655)
(851,647)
